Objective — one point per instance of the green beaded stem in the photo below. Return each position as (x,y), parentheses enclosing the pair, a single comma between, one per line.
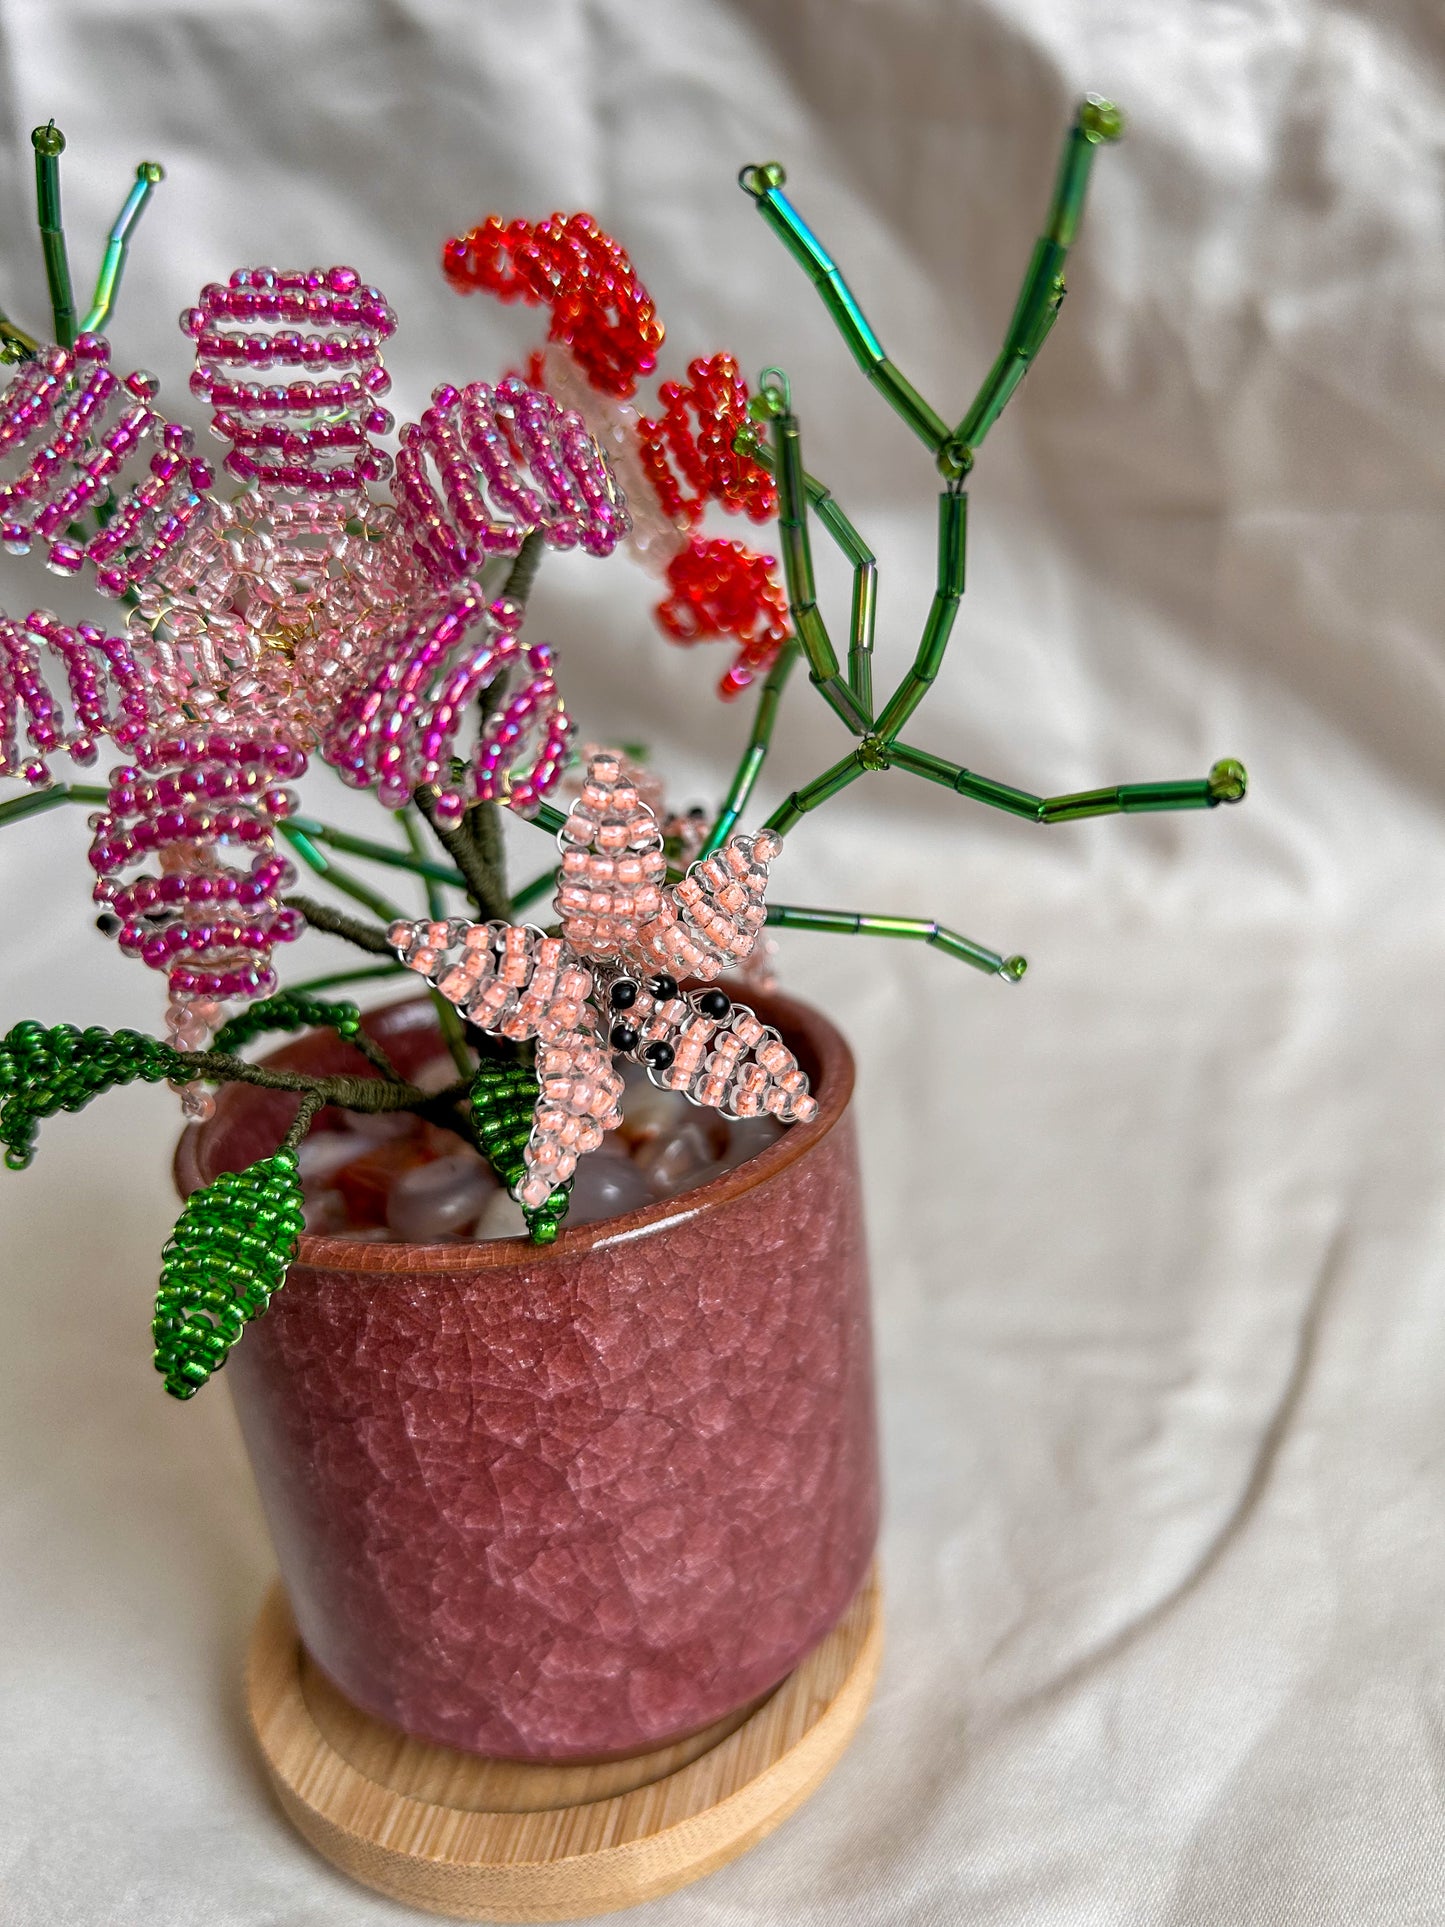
(797,550)
(1041,295)
(49,145)
(952,546)
(49,798)
(334,979)
(859,557)
(338,878)
(48,1069)
(117,247)
(765,184)
(226,1259)
(1227,782)
(755,755)
(412,859)
(435,902)
(858,923)
(540,886)
(504,1098)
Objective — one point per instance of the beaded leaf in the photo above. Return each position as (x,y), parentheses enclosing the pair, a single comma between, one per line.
(225,1261)
(45,1069)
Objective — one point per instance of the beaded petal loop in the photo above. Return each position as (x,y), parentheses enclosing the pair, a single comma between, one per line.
(71,434)
(620,927)
(314,433)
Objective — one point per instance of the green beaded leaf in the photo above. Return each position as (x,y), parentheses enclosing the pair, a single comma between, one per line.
(59,1068)
(291,1010)
(504,1096)
(225,1261)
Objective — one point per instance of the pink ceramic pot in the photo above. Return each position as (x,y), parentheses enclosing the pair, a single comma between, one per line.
(567,1503)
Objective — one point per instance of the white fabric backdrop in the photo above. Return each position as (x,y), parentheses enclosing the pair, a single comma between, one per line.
(1159,1264)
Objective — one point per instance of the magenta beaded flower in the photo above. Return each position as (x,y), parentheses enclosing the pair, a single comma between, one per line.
(299,615)
(609,982)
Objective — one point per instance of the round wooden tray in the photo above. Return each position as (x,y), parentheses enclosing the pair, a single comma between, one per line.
(481,1839)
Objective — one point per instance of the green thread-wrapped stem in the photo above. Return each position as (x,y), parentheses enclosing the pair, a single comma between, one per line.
(336,923)
(117,246)
(859,923)
(765,185)
(49,145)
(295,1010)
(479,875)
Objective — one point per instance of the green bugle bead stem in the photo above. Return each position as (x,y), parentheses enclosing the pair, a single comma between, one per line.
(15,344)
(797,550)
(861,923)
(1042,291)
(411,859)
(755,754)
(49,798)
(335,979)
(117,247)
(794,808)
(540,886)
(411,830)
(765,184)
(1226,783)
(860,558)
(49,145)
(340,879)
(920,678)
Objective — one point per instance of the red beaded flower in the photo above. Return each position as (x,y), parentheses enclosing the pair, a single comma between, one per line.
(604,335)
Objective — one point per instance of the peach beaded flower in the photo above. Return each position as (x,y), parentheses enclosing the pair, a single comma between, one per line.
(609,982)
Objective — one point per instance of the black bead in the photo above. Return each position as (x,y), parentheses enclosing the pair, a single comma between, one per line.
(623,994)
(715,1003)
(663,987)
(624,1037)
(107,924)
(659,1055)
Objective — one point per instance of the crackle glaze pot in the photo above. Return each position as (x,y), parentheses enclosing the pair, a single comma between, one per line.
(570,1502)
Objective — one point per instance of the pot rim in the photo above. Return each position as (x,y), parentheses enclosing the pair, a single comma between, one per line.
(833,1088)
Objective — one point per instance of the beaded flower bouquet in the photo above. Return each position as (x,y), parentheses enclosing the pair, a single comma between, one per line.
(551,1279)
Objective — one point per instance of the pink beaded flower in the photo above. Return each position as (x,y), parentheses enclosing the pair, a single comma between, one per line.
(610,982)
(301,615)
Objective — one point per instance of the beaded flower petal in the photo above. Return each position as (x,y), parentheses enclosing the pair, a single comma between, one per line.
(302,615)
(604,335)
(608,985)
